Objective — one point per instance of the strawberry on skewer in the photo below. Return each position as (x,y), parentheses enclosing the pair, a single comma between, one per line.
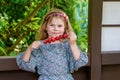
(45,41)
(65,36)
(56,38)
(60,36)
(49,40)
(53,39)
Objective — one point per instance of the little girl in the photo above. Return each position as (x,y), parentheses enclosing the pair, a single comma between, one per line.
(53,60)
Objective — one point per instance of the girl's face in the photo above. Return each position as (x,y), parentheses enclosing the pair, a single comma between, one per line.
(55,27)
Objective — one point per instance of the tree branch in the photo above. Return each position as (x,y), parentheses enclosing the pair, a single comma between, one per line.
(27,19)
(32,14)
(20,37)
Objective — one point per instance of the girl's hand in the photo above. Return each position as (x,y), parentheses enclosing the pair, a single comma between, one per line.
(72,37)
(27,54)
(34,45)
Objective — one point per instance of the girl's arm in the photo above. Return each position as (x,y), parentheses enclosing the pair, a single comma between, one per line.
(26,60)
(76,58)
(73,45)
(28,51)
(75,51)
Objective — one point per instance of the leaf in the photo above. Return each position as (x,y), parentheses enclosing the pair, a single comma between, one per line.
(34,19)
(1,49)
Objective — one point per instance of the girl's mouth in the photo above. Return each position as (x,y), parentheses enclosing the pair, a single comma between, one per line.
(55,32)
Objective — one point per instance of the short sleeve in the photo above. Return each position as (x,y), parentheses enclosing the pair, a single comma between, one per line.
(76,64)
(27,66)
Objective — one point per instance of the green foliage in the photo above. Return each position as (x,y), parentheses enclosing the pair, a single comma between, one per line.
(78,14)
(17,31)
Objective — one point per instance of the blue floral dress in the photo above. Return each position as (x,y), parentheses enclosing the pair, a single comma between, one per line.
(52,61)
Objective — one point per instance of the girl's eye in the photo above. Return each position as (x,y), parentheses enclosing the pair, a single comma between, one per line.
(60,25)
(52,25)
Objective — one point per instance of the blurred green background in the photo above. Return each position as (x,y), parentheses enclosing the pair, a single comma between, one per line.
(20,20)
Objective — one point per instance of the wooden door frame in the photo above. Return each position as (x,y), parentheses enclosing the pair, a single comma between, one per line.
(98,58)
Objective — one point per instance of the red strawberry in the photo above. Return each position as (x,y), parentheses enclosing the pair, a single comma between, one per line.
(52,39)
(45,41)
(56,38)
(65,35)
(60,36)
(49,40)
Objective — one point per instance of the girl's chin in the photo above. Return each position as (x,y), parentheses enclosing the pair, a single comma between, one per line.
(55,35)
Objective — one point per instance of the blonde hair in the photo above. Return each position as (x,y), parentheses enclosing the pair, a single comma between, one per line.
(42,33)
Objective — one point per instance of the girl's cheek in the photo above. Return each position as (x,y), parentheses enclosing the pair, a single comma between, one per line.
(51,28)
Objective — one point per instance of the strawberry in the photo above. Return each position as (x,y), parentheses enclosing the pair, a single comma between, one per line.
(52,39)
(49,40)
(60,36)
(56,38)
(45,41)
(65,36)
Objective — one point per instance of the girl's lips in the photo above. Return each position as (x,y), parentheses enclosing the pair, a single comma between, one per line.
(55,33)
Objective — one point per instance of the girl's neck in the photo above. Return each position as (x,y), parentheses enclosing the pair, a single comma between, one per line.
(55,42)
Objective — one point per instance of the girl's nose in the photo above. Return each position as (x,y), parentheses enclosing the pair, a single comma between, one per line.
(55,28)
